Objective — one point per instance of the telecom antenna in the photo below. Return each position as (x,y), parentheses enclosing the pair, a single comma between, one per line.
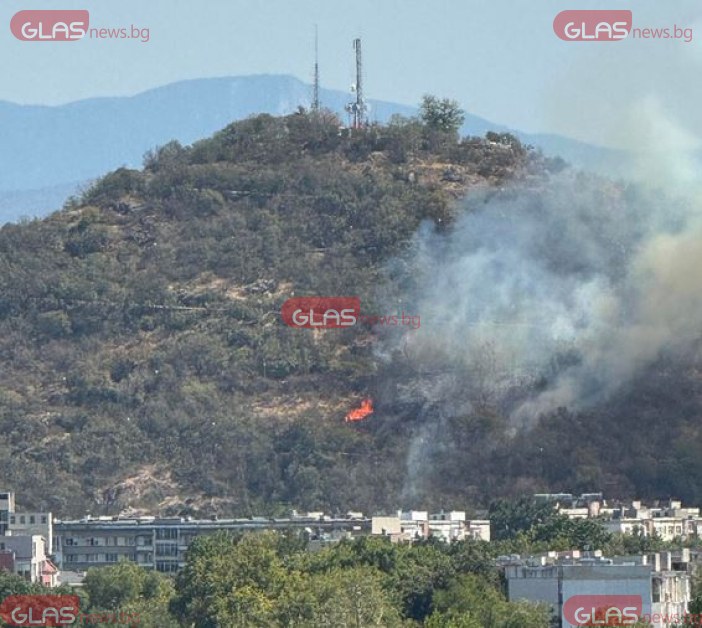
(315,94)
(358,109)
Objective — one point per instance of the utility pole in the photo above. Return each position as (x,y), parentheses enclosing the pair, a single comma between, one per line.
(315,94)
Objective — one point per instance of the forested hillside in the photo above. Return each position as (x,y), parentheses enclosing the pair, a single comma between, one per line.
(145,364)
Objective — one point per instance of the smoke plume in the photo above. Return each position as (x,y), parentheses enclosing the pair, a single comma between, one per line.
(562,289)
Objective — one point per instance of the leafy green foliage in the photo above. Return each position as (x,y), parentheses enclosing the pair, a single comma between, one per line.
(510,517)
(244,581)
(144,355)
(129,591)
(271,579)
(441,114)
(258,580)
(470,602)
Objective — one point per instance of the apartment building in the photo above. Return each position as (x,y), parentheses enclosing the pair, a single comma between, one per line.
(33,523)
(584,506)
(161,543)
(418,524)
(659,584)
(7,506)
(669,521)
(26,556)
(26,543)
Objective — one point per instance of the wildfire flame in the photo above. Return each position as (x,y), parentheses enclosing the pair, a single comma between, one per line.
(360,413)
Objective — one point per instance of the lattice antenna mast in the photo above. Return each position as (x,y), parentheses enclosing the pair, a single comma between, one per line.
(315,94)
(358,109)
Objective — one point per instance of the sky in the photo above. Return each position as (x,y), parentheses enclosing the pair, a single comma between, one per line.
(500,59)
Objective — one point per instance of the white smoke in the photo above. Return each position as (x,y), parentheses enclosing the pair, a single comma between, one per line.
(575,282)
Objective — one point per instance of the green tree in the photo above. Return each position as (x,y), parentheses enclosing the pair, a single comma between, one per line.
(128,589)
(637,542)
(562,533)
(354,597)
(509,517)
(11,584)
(113,586)
(443,115)
(412,572)
(230,581)
(469,602)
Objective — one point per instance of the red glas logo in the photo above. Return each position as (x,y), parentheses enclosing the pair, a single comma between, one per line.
(321,312)
(603,610)
(49,25)
(589,25)
(40,610)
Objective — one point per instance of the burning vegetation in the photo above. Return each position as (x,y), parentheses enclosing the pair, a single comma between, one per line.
(364,411)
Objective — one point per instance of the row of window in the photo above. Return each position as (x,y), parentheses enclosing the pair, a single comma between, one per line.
(35,548)
(106,541)
(91,558)
(23,519)
(167,549)
(161,535)
(166,566)
(166,534)
(662,529)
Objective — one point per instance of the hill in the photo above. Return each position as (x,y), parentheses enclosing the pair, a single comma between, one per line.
(145,364)
(47,150)
(145,361)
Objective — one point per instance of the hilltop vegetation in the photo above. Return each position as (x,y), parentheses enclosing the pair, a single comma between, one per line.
(144,361)
(145,364)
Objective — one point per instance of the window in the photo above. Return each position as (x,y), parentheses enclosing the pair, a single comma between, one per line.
(167,549)
(165,534)
(656,591)
(111,558)
(32,519)
(166,567)
(22,521)
(43,519)
(12,519)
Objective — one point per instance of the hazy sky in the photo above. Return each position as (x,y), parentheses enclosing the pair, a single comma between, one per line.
(500,58)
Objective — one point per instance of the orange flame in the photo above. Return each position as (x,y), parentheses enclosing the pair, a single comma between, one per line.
(360,413)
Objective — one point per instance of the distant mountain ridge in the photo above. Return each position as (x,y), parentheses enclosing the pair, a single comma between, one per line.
(46,149)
